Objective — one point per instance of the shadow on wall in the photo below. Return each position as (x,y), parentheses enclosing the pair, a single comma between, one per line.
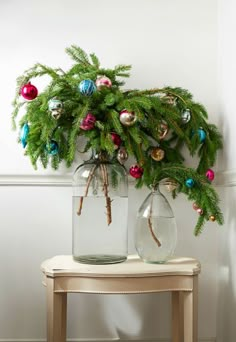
(227,270)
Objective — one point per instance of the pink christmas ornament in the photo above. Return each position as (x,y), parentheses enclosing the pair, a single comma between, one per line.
(103,81)
(88,122)
(116,140)
(136,171)
(210,174)
(195,206)
(29,91)
(200,211)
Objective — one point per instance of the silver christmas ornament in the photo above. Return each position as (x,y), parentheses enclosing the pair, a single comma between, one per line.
(122,155)
(171,184)
(186,116)
(56,108)
(162,130)
(127,118)
(56,113)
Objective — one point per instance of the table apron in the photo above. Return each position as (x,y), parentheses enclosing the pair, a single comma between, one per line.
(123,285)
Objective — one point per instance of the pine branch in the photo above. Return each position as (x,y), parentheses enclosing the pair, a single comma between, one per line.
(151,107)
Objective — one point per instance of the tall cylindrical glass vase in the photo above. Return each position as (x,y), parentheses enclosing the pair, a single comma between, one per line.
(100,211)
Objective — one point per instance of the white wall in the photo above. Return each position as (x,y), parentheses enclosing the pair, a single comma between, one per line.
(227,272)
(168,43)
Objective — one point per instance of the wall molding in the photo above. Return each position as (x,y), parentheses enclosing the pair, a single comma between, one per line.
(213,339)
(226,178)
(223,179)
(34,180)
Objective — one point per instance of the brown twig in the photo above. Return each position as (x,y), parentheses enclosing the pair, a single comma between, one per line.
(105,189)
(90,177)
(152,232)
(151,228)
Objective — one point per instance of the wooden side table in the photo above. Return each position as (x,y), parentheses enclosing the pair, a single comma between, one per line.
(179,275)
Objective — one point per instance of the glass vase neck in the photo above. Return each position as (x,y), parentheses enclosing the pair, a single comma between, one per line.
(155,189)
(99,156)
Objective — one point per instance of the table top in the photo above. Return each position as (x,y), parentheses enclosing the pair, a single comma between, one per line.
(64,265)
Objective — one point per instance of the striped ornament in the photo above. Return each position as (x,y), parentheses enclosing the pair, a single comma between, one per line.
(87,87)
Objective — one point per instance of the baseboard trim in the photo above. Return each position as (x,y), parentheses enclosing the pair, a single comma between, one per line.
(103,340)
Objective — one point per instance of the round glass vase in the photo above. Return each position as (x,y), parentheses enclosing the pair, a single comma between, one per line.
(100,211)
(155,229)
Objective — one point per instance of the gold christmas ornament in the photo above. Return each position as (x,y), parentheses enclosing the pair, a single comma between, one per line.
(170,99)
(162,130)
(195,206)
(157,154)
(212,218)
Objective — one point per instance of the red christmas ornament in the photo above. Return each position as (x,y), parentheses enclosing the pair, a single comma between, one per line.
(210,174)
(136,171)
(88,122)
(29,91)
(116,140)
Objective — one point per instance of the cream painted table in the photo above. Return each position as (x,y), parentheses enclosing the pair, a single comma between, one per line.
(179,275)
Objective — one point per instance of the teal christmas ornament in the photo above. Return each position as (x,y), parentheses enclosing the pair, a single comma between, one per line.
(24,134)
(52,148)
(87,87)
(189,182)
(201,134)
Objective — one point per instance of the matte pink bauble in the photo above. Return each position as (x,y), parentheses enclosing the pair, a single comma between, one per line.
(103,81)
(88,122)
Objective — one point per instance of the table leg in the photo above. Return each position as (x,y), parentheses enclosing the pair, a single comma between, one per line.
(177,316)
(56,313)
(190,302)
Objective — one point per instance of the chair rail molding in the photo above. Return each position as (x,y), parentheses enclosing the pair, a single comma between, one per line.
(223,179)
(213,339)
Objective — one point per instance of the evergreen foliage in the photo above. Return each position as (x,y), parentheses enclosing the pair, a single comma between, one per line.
(152,107)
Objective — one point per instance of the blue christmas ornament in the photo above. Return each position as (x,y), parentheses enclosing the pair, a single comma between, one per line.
(24,134)
(201,134)
(87,87)
(189,182)
(52,148)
